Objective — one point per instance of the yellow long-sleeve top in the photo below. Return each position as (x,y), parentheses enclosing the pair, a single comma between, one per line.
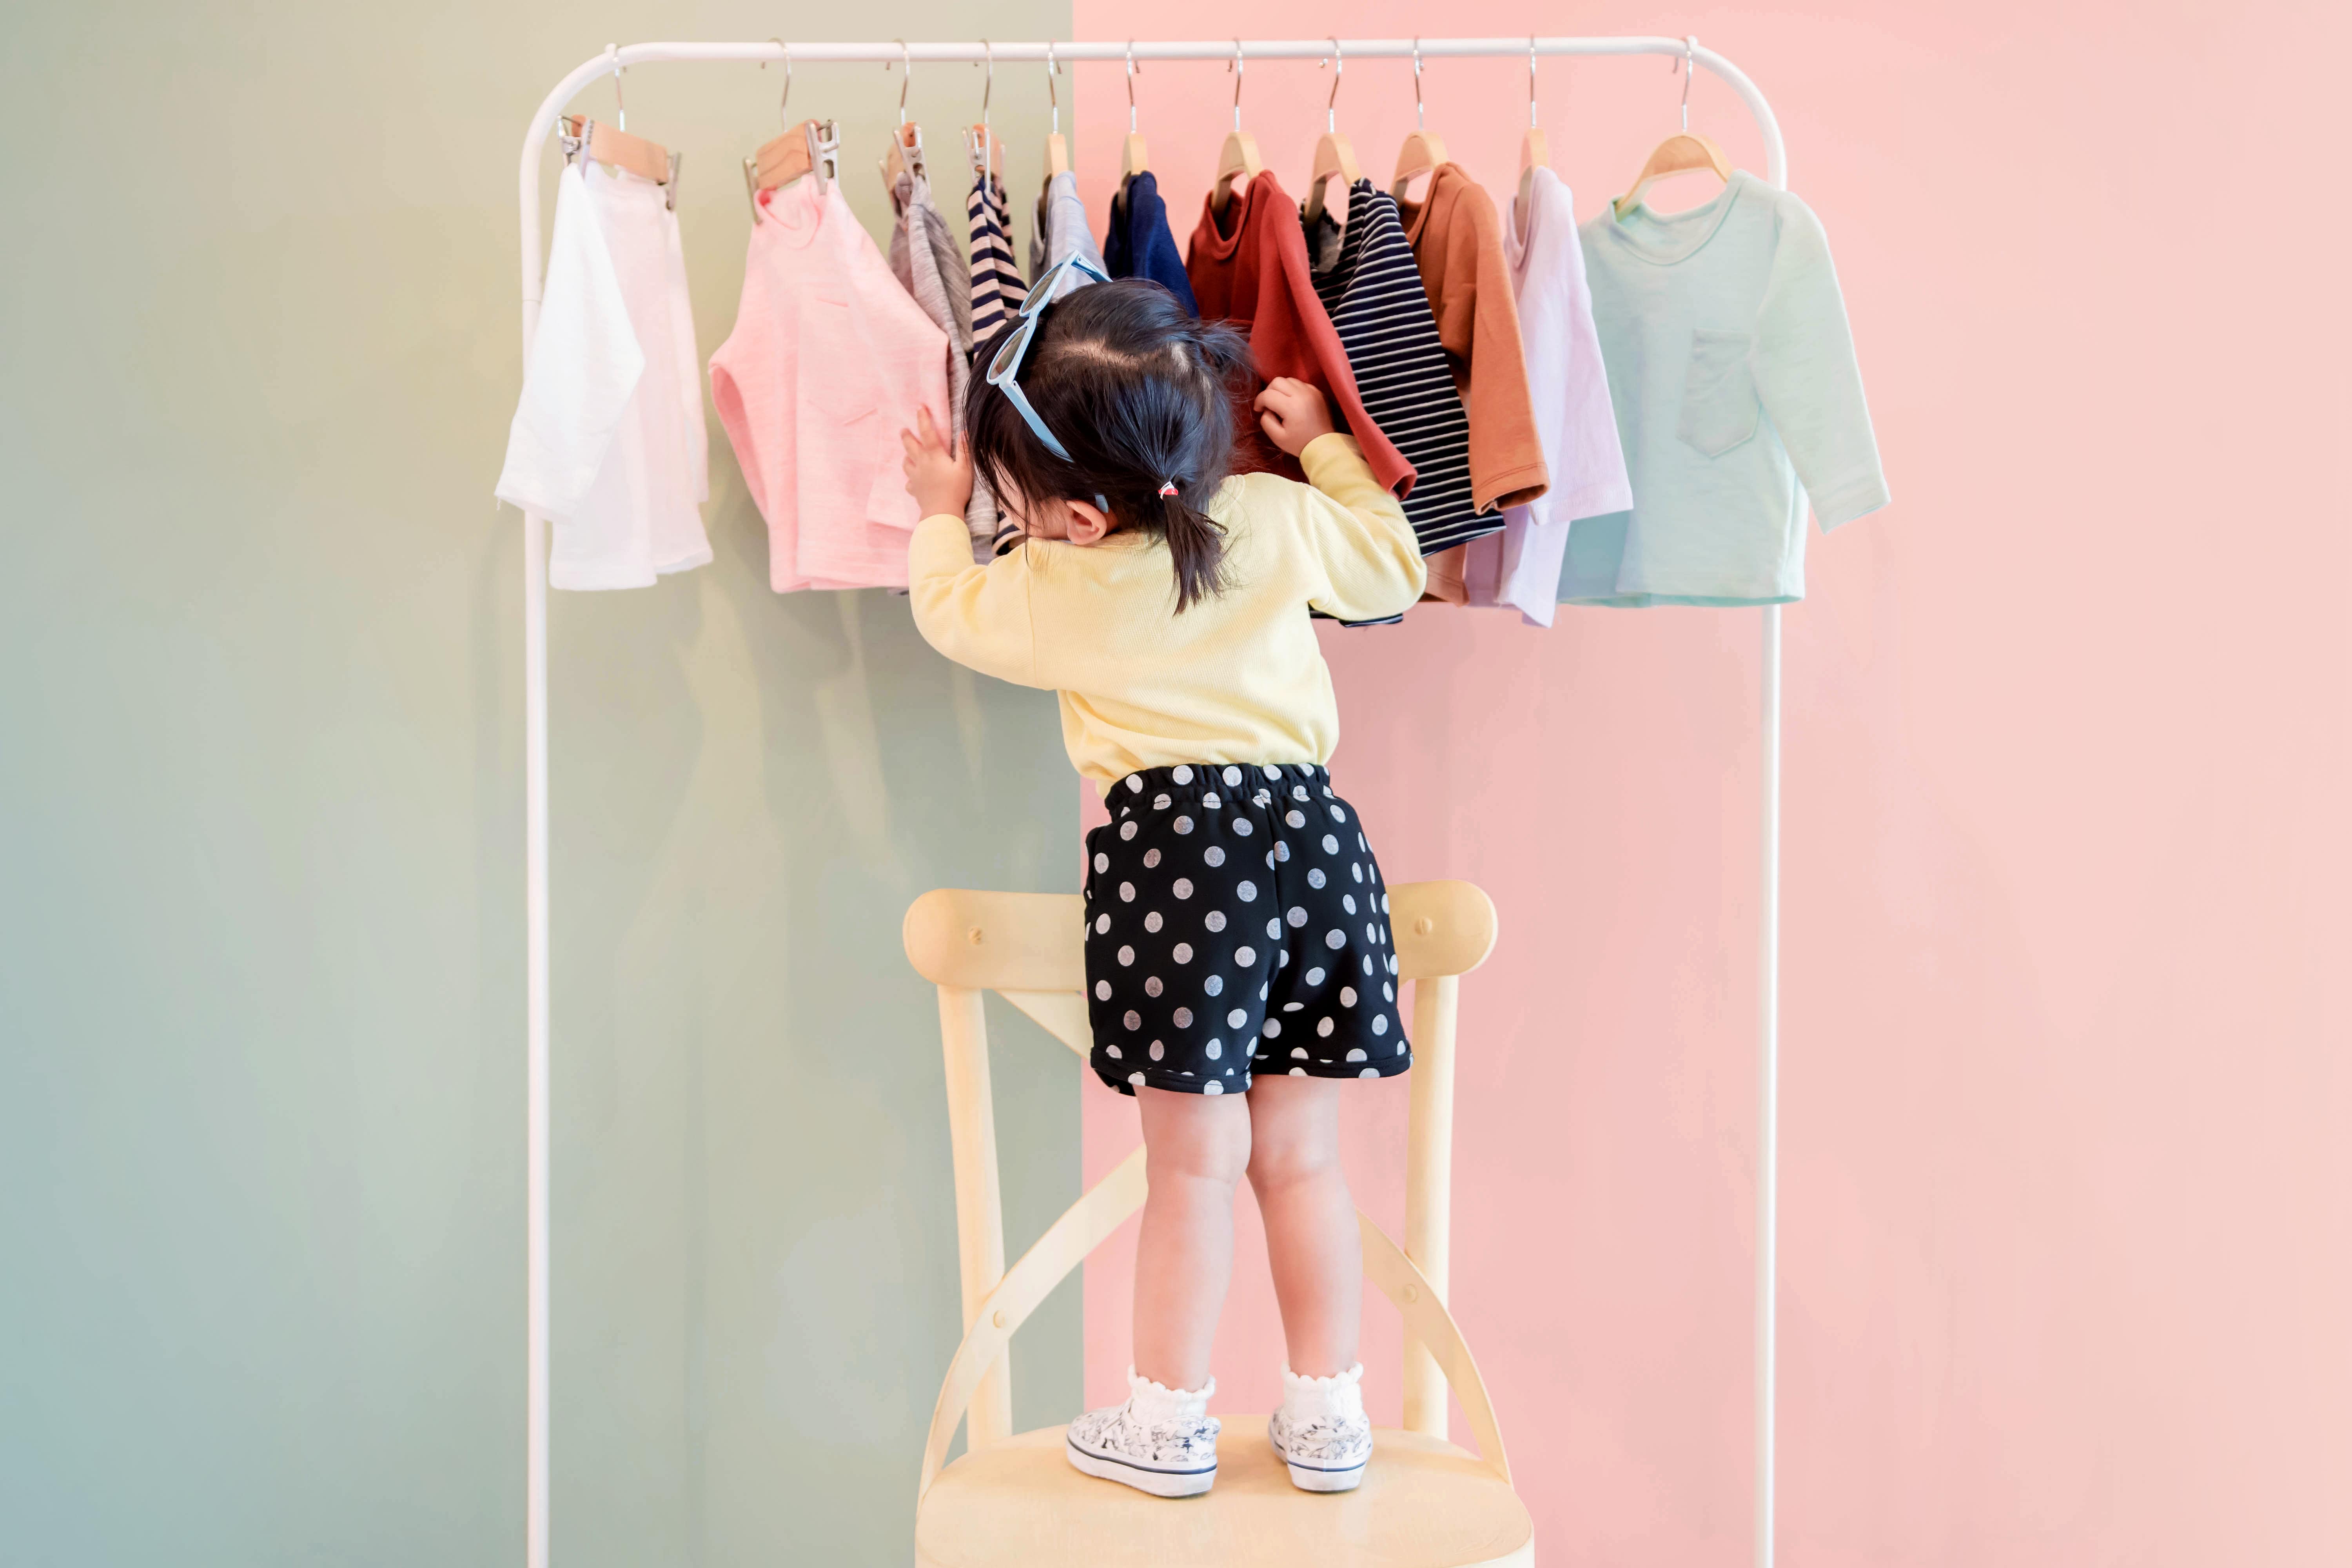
(1237,677)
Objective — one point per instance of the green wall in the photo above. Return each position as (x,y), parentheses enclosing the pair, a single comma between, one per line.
(261,1011)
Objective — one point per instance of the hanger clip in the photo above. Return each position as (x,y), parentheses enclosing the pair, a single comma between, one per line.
(825,151)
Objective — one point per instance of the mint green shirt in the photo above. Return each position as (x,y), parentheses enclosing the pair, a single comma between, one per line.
(1732,372)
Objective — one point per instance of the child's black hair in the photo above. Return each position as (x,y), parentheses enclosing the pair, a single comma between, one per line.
(1143,396)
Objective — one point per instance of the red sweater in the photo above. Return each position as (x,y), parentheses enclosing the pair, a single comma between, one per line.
(1257,278)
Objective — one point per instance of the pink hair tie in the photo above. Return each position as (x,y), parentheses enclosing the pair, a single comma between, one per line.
(1168,489)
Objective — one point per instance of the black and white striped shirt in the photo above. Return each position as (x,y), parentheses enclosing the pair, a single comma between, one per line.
(997,290)
(1369,282)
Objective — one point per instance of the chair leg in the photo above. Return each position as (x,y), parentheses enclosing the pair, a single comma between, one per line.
(980,1209)
(1429,1183)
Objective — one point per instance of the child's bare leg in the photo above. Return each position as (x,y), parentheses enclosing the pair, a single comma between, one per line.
(1196,1147)
(1311,1240)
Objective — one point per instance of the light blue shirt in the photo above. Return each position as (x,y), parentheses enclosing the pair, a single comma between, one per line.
(1732,372)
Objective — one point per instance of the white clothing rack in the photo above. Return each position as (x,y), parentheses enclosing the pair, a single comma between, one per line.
(535,541)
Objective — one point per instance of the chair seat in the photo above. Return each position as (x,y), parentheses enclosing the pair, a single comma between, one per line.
(1424,1503)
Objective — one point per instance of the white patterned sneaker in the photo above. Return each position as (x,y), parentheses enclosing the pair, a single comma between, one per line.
(1161,1440)
(1321,1432)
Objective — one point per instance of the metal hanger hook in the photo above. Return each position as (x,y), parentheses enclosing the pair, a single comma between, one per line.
(1331,104)
(1531,83)
(783,104)
(1054,98)
(1130,87)
(620,109)
(1690,48)
(1236,68)
(906,77)
(1418,122)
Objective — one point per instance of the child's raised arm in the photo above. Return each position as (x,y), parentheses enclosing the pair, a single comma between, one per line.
(977,616)
(1357,532)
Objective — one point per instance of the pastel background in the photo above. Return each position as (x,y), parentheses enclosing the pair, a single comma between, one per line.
(2067,1236)
(2068,1209)
(261,993)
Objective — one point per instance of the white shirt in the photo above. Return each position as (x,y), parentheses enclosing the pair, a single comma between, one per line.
(608,441)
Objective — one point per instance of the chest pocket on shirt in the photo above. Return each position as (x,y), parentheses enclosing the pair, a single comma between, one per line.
(829,326)
(1720,404)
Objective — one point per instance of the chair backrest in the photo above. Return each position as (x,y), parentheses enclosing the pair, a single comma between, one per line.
(1030,948)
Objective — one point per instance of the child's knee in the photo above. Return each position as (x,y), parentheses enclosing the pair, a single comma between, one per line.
(1212,1143)
(1284,1160)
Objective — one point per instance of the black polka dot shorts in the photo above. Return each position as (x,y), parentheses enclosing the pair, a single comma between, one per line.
(1237,924)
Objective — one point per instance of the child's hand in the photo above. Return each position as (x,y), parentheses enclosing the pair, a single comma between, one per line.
(1291,414)
(939,474)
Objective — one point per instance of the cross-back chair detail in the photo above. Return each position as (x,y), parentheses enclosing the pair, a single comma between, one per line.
(1028,948)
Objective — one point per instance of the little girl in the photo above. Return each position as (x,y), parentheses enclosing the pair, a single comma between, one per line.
(1237,953)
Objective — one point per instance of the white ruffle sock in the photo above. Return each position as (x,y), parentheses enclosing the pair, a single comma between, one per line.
(1334,1400)
(1152,1403)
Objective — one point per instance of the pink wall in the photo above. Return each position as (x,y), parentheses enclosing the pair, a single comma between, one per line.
(2067,1237)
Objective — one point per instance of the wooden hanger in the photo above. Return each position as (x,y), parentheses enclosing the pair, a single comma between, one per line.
(1132,158)
(1680,153)
(906,154)
(812,147)
(1238,158)
(980,143)
(1057,150)
(976,137)
(613,147)
(1333,155)
(1424,149)
(618,149)
(1535,152)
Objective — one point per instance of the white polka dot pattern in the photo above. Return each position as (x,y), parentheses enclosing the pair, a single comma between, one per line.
(1169,944)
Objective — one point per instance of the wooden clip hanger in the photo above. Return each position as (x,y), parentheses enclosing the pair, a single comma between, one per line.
(613,147)
(1535,152)
(1057,149)
(1334,156)
(981,146)
(1423,151)
(906,154)
(1133,159)
(617,149)
(1238,158)
(1683,152)
(812,147)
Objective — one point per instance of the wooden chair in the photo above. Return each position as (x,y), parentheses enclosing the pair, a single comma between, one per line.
(1013,1499)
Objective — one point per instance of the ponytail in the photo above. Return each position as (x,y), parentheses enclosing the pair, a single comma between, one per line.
(1196,546)
(1146,400)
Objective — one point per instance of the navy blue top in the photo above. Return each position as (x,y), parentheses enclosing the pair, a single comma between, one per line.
(1138,243)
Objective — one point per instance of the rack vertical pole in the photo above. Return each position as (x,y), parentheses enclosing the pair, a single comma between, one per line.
(535,1442)
(1767,1082)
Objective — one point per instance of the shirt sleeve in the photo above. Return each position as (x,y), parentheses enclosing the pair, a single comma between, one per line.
(1506,457)
(1355,529)
(584,367)
(1808,379)
(977,616)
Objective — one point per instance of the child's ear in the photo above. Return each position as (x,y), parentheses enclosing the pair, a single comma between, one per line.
(1090,524)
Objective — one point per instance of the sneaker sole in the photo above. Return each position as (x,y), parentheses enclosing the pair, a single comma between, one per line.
(1159,1483)
(1313,1480)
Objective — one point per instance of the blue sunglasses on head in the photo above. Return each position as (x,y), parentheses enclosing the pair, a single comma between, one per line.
(1006,365)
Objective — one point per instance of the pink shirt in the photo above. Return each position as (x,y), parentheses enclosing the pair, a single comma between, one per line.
(829,359)
(1569,389)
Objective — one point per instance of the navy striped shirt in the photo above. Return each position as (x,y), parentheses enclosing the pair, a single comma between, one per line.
(1368,281)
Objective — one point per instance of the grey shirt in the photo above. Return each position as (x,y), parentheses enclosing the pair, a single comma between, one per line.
(923,258)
